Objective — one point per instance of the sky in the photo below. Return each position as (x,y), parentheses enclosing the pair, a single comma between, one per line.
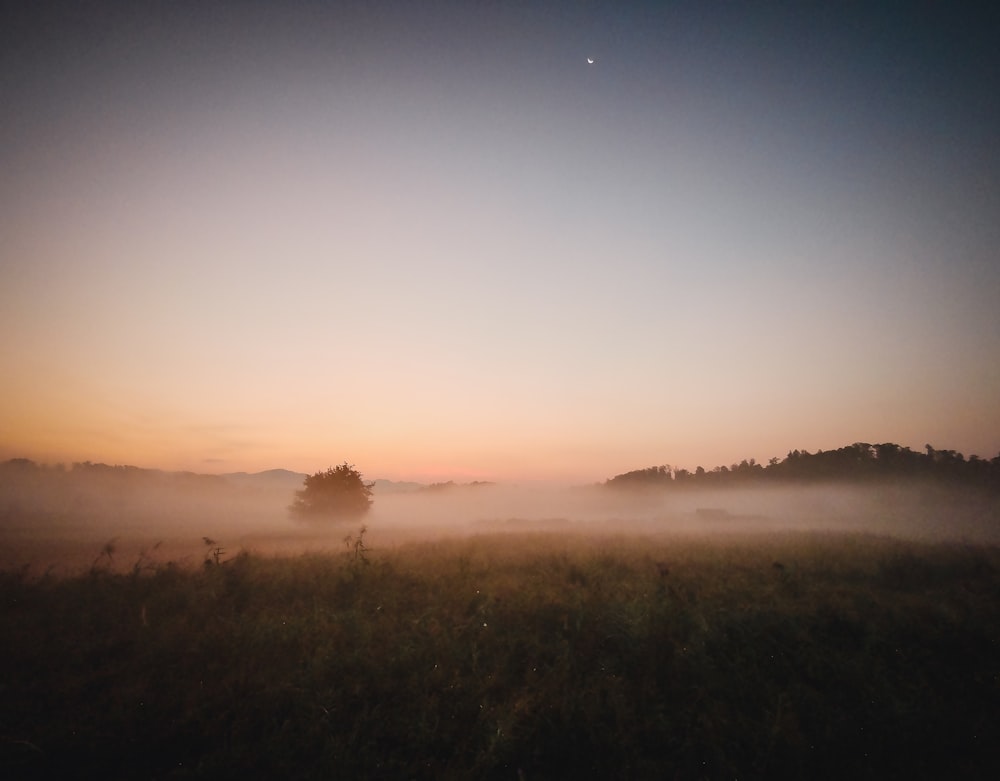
(433,241)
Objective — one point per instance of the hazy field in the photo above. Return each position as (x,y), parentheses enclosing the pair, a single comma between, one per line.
(501,632)
(47,524)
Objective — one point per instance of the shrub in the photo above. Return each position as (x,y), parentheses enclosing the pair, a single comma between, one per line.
(339,493)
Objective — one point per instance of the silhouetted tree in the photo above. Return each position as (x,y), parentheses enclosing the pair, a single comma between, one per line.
(857,462)
(339,493)
(654,476)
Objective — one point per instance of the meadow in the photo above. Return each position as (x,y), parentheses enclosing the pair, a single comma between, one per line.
(527,655)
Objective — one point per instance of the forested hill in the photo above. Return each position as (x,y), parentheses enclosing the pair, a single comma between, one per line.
(858,462)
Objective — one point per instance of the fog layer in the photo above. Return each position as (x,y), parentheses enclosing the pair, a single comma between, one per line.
(67,517)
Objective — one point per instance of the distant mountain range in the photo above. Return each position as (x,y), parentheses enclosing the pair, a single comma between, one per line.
(858,461)
(276,478)
(269,479)
(396,487)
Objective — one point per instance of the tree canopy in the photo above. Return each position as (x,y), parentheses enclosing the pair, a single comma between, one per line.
(857,462)
(339,493)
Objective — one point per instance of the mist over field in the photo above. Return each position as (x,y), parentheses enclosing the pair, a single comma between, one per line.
(906,510)
(63,518)
(170,623)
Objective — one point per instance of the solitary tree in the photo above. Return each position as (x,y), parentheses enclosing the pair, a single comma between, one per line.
(339,493)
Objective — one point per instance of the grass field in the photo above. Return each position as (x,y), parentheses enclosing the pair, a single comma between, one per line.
(517,656)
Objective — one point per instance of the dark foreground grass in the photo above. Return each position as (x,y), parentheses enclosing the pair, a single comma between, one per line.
(525,657)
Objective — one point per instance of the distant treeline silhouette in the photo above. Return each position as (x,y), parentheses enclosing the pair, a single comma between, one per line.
(451,485)
(29,488)
(858,462)
(117,474)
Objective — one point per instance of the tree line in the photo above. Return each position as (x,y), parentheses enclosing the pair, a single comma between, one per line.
(858,462)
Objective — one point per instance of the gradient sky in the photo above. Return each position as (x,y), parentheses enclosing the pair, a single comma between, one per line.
(431,240)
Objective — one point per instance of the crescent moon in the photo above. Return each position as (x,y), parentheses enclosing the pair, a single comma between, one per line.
(590,61)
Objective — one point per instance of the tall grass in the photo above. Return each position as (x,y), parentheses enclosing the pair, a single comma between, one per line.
(527,656)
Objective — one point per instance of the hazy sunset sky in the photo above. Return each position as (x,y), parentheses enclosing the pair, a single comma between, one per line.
(432,240)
